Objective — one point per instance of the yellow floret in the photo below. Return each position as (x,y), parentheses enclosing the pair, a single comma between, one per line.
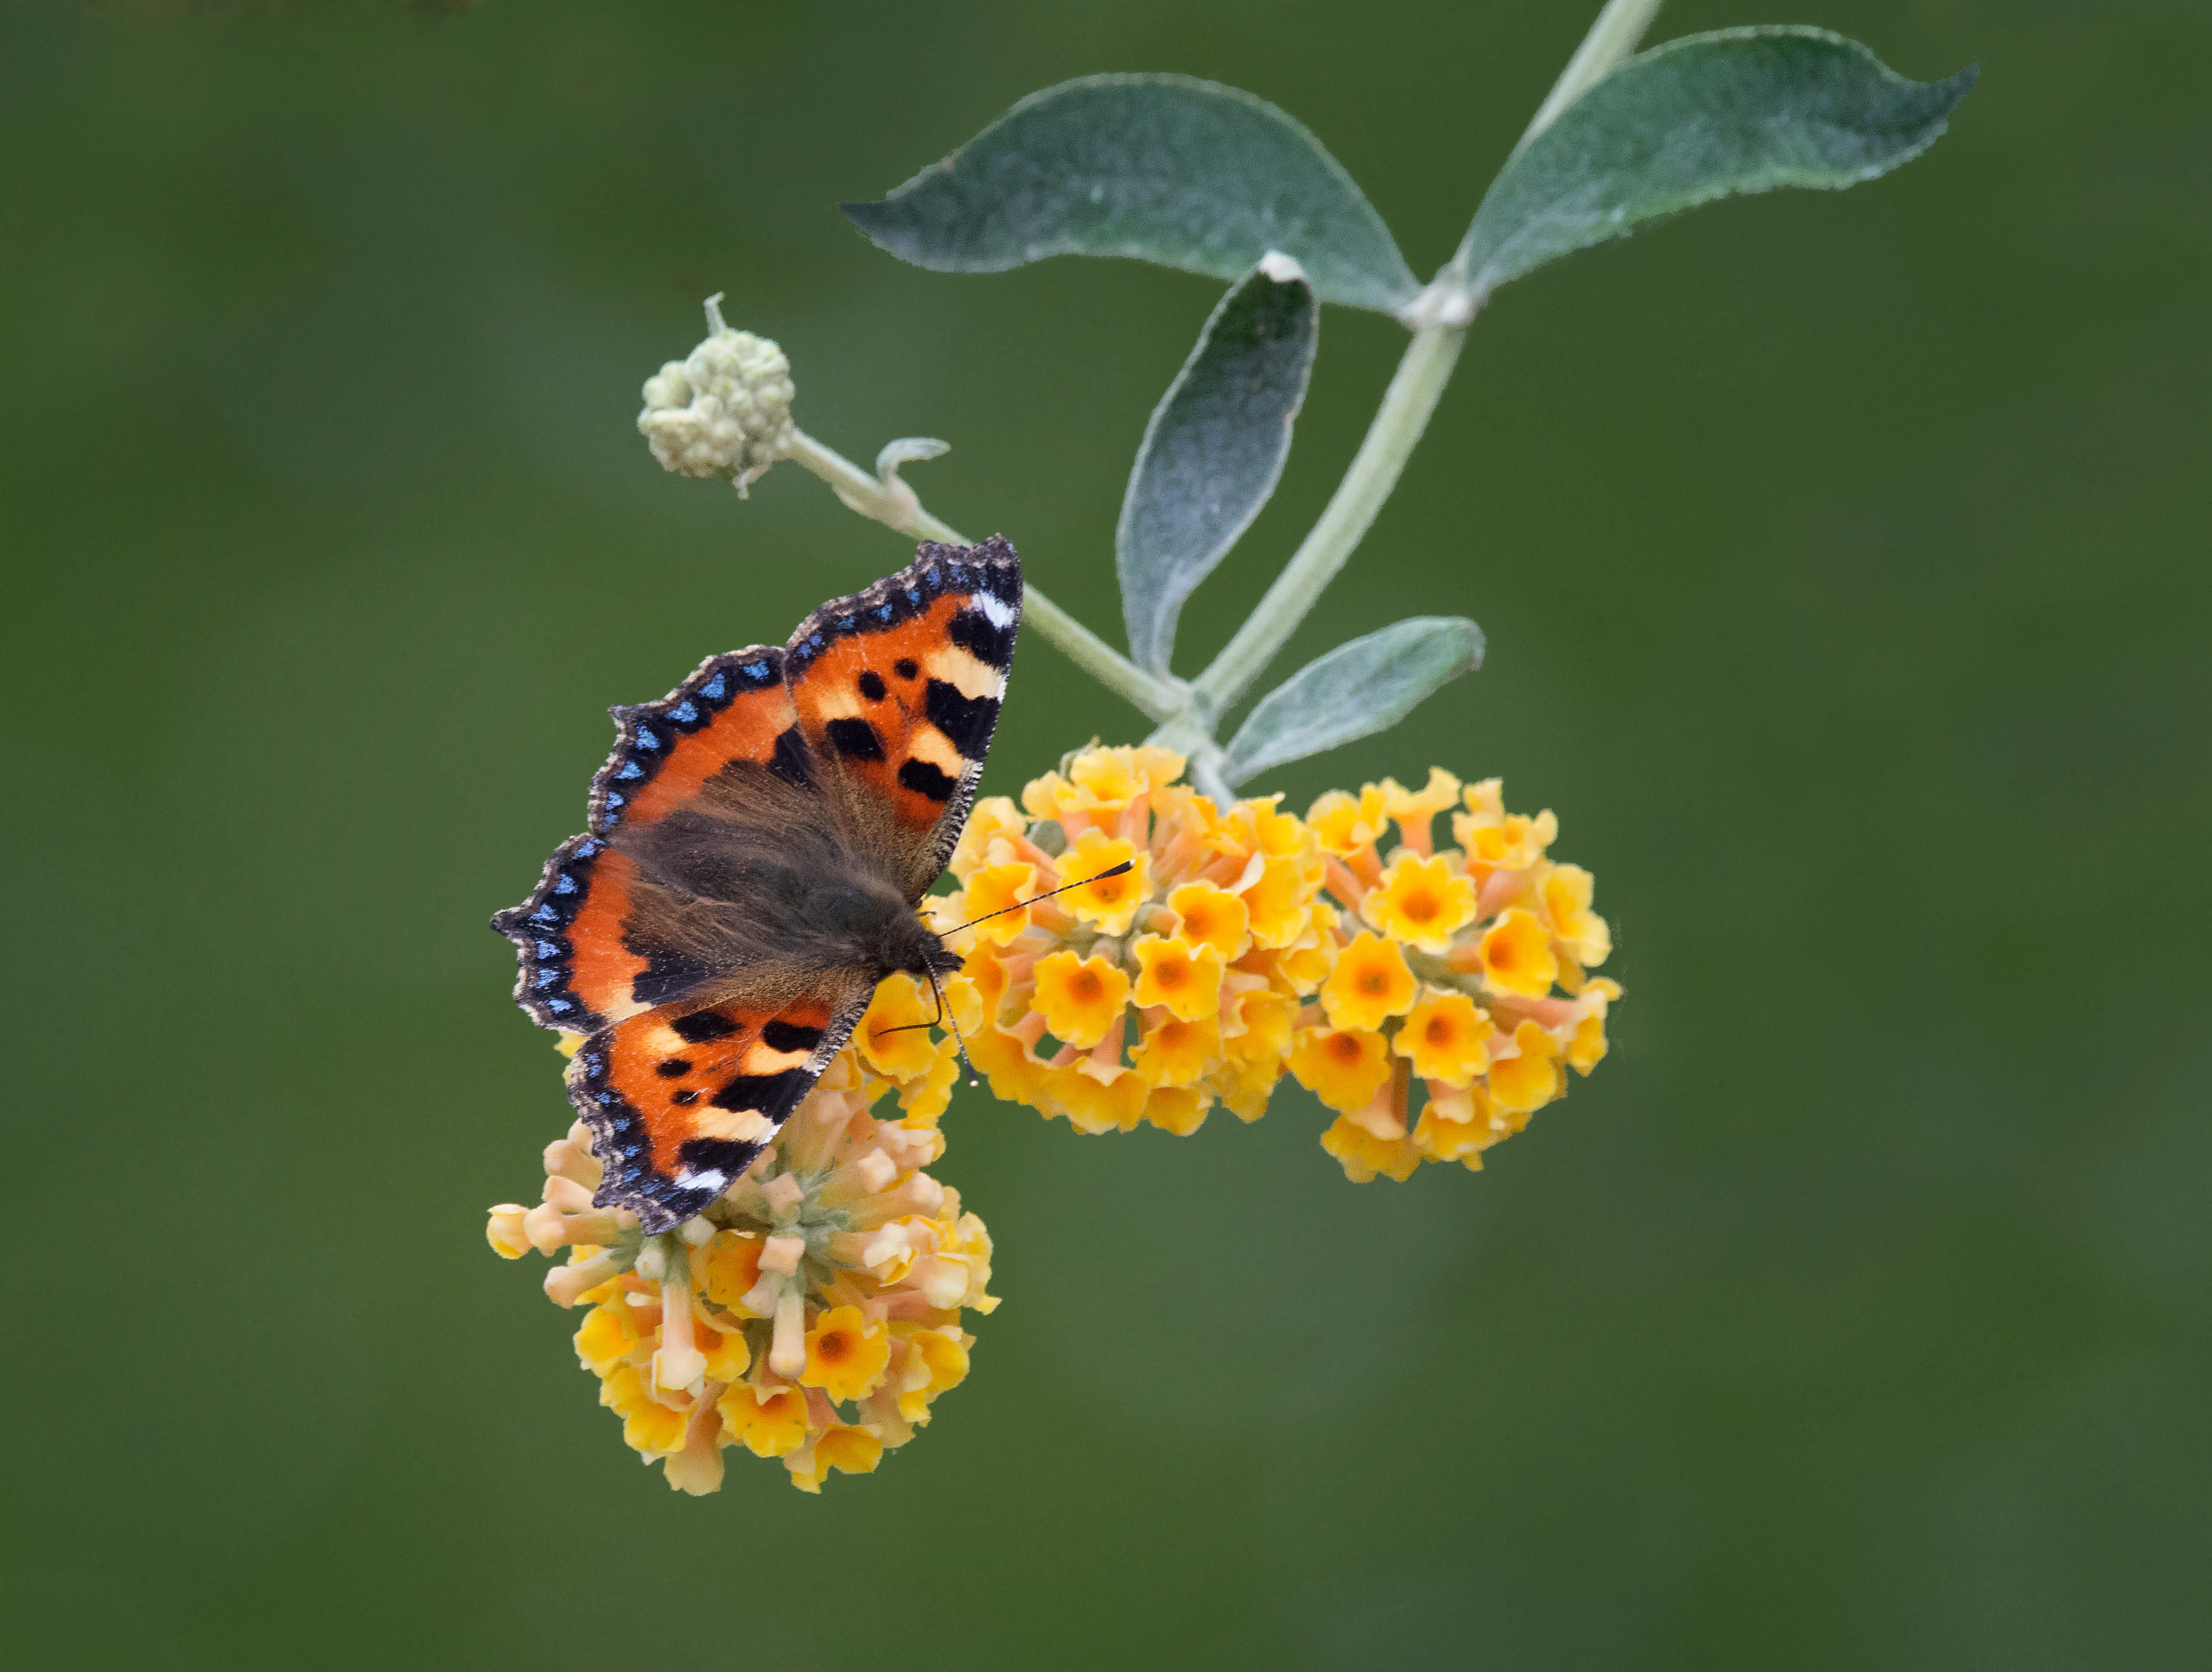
(1080,998)
(1421,902)
(1516,956)
(1522,1083)
(1107,903)
(1174,1052)
(1214,915)
(1447,1037)
(1344,1067)
(1184,978)
(1370,984)
(845,1354)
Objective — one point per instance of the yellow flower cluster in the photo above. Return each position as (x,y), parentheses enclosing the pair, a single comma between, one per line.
(1241,943)
(1445,974)
(813,1312)
(1203,950)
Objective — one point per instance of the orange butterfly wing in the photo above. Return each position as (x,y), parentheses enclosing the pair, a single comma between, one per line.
(883,703)
(580,970)
(680,1102)
(897,690)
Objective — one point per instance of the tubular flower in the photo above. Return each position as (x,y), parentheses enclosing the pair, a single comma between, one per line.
(1145,998)
(814,1311)
(1495,1001)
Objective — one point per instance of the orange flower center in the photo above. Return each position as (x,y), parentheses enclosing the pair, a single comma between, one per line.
(1344,1047)
(1169,975)
(1085,984)
(1438,1031)
(1373,980)
(1501,955)
(1420,906)
(833,1348)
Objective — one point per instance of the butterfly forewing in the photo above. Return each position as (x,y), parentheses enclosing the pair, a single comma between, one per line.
(897,690)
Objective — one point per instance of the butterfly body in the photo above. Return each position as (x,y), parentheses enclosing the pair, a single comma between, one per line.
(761,839)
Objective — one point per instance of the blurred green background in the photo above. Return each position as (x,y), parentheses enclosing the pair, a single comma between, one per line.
(1836,557)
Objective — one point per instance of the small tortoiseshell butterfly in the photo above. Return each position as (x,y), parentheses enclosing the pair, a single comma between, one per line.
(760,840)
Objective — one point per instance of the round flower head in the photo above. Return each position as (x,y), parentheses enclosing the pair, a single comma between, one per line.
(1472,976)
(811,1314)
(1141,998)
(724,409)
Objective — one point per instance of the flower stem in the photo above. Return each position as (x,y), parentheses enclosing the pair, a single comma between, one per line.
(1440,322)
(1398,423)
(890,500)
(1610,40)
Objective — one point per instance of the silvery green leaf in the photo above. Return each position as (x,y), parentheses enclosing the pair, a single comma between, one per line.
(1213,450)
(1161,168)
(1357,689)
(1704,117)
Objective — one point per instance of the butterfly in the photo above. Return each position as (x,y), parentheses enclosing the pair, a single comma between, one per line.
(760,841)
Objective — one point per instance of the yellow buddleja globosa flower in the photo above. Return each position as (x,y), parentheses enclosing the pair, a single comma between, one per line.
(1461,992)
(1243,943)
(811,1314)
(1151,995)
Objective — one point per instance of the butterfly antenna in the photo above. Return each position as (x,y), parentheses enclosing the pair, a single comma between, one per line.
(1110,870)
(959,1043)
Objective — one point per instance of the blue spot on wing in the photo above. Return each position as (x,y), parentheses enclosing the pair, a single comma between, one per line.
(714,690)
(686,711)
(564,884)
(757,670)
(647,739)
(630,770)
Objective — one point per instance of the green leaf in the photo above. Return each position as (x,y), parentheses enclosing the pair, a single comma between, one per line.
(1357,689)
(1213,450)
(1161,168)
(1704,117)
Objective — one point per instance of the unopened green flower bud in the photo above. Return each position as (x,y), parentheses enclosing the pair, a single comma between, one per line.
(723,410)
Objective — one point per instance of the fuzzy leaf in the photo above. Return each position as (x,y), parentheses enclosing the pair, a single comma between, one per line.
(1704,117)
(1161,168)
(1213,450)
(1357,689)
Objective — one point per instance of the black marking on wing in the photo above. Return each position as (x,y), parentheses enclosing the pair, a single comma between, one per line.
(872,686)
(780,1035)
(703,1026)
(966,721)
(855,739)
(765,1092)
(926,778)
(973,632)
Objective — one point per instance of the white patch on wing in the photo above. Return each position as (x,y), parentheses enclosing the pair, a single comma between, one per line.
(994,612)
(764,1059)
(745,1126)
(928,744)
(713,1179)
(969,675)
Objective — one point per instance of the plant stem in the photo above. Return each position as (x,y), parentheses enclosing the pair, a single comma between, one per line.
(890,500)
(1610,40)
(1398,423)
(1414,390)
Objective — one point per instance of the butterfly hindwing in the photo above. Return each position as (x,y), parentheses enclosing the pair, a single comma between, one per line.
(581,950)
(680,1102)
(897,690)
